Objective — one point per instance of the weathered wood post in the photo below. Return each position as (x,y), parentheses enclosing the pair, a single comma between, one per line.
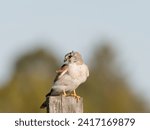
(61,104)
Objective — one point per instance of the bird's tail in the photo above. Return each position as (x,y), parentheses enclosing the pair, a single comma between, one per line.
(44,104)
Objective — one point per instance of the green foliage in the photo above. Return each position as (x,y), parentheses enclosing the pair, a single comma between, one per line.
(105,91)
(108,90)
(31,81)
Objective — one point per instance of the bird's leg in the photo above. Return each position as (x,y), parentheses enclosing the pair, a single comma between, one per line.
(64,93)
(75,95)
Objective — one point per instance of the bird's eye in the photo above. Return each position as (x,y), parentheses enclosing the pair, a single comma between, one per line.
(70,56)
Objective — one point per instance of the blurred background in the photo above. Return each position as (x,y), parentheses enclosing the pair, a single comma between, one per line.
(112,36)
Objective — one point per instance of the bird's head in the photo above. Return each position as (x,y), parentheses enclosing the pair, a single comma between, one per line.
(68,56)
(73,57)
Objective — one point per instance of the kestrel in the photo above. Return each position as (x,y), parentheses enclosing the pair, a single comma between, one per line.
(69,76)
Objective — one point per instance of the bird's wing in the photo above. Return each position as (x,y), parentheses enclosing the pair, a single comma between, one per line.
(61,71)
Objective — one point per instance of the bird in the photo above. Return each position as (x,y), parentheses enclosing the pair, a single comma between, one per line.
(69,76)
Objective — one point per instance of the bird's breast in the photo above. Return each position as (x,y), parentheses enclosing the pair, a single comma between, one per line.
(78,72)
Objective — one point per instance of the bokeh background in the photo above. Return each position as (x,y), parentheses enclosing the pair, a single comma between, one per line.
(112,36)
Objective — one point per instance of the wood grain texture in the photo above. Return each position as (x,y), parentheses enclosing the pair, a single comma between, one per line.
(61,104)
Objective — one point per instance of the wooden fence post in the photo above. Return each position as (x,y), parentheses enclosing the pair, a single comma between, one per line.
(61,104)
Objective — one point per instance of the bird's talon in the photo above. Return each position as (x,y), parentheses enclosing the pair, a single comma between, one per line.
(64,94)
(78,98)
(75,95)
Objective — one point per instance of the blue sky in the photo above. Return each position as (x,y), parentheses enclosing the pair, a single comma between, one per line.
(66,25)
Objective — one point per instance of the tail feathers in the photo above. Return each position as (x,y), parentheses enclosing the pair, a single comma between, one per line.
(50,93)
(46,102)
(43,105)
